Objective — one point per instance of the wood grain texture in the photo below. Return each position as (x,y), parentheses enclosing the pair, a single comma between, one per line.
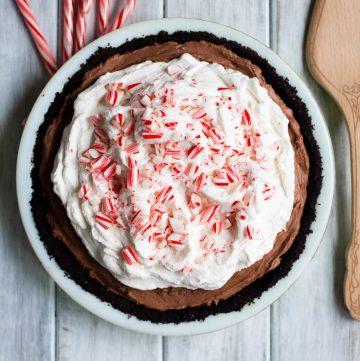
(82,336)
(339,73)
(251,339)
(251,17)
(26,291)
(309,320)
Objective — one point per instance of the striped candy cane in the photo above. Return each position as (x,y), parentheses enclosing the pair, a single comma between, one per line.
(84,7)
(103,16)
(124,13)
(68,30)
(40,42)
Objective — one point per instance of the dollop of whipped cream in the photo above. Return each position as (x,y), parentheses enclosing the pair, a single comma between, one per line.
(176,174)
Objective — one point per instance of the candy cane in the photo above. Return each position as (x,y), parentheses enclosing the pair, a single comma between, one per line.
(124,13)
(103,16)
(84,7)
(39,39)
(68,30)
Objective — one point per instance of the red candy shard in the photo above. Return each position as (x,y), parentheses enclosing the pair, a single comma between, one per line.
(129,256)
(103,220)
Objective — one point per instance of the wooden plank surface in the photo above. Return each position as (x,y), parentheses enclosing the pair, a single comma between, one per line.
(83,336)
(251,339)
(26,291)
(310,321)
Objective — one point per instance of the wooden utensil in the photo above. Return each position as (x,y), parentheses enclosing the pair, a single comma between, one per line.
(333,56)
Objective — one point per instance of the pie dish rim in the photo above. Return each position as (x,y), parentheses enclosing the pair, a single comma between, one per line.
(91,302)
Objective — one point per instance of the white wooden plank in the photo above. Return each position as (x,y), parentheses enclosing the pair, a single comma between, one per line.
(80,335)
(26,292)
(310,321)
(251,17)
(84,337)
(251,339)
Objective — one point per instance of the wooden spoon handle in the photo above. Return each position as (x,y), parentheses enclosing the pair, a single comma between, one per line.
(351,106)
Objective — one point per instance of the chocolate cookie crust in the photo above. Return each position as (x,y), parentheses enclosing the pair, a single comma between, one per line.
(70,265)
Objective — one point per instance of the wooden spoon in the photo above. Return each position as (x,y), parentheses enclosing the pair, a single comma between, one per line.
(333,56)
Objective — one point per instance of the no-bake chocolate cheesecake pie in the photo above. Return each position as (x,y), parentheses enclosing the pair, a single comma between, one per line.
(176,176)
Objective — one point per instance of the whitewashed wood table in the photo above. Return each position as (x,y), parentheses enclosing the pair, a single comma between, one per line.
(39,322)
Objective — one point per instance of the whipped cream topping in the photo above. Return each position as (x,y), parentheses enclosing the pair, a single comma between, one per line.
(176,174)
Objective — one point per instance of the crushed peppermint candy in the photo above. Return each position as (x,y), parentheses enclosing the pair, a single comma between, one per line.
(175,169)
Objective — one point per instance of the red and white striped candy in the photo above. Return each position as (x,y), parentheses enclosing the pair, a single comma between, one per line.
(232,173)
(249,232)
(68,30)
(145,101)
(152,135)
(83,10)
(216,136)
(132,148)
(248,199)
(177,169)
(175,239)
(133,178)
(132,86)
(103,16)
(84,192)
(110,171)
(215,149)
(195,203)
(107,206)
(250,141)
(100,164)
(218,227)
(246,119)
(131,162)
(200,182)
(111,98)
(145,227)
(194,151)
(129,256)
(175,152)
(136,218)
(192,170)
(155,217)
(198,113)
(206,125)
(121,140)
(221,182)
(99,147)
(171,124)
(208,213)
(103,220)
(118,120)
(40,42)
(124,13)
(165,195)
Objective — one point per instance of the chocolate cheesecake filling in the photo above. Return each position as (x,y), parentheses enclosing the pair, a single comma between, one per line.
(171,298)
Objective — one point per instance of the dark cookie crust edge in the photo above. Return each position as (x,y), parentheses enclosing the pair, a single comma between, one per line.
(68,263)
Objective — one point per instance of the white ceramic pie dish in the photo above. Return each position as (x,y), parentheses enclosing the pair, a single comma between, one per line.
(91,302)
